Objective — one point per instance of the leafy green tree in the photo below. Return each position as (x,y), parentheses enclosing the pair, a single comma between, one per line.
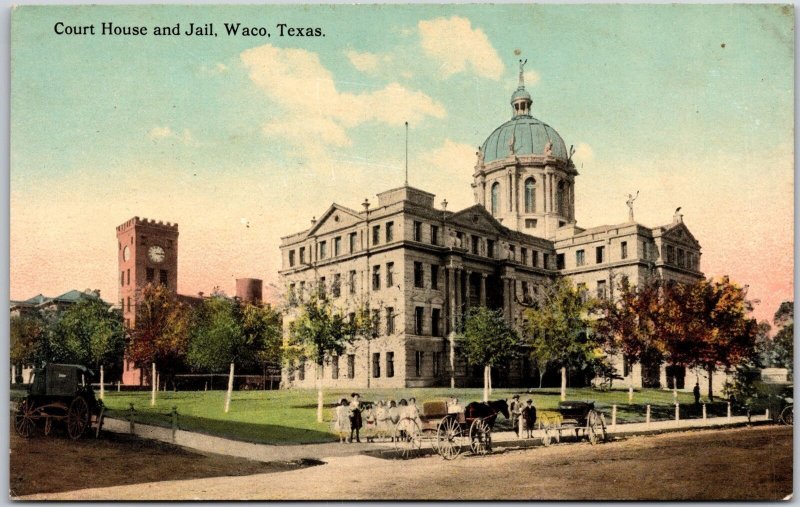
(556,326)
(161,332)
(88,333)
(318,332)
(487,341)
(28,339)
(783,342)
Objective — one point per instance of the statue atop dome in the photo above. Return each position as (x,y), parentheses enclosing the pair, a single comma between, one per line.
(629,202)
(522,73)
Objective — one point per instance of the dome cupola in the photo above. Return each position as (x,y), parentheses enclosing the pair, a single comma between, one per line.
(521,100)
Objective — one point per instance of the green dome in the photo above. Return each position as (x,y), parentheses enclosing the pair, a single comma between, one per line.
(530,137)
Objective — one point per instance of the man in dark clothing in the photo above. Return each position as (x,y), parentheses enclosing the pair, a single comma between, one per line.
(696,392)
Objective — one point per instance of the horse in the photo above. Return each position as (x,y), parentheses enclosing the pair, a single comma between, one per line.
(487,410)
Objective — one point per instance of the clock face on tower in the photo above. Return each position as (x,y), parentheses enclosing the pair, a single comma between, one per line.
(156,254)
(126,253)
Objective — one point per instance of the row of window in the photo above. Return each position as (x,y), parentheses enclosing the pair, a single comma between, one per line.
(336,244)
(683,259)
(419,322)
(562,198)
(150,276)
(602,290)
(299,372)
(599,254)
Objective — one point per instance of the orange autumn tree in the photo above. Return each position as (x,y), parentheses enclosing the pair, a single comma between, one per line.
(161,332)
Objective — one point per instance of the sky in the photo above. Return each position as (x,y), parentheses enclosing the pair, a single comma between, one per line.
(244,139)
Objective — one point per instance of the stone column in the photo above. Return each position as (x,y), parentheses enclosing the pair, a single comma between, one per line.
(483,289)
(513,192)
(468,289)
(451,293)
(458,302)
(572,201)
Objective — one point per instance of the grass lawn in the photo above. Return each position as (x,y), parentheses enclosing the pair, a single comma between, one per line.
(289,417)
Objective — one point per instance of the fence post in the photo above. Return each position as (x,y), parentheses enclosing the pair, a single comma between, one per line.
(630,394)
(647,416)
(677,412)
(131,418)
(704,412)
(766,415)
(117,385)
(729,410)
(614,417)
(174,422)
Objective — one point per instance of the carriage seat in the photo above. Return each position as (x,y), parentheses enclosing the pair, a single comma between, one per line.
(434,410)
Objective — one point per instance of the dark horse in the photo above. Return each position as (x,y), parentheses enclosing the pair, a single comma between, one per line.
(487,410)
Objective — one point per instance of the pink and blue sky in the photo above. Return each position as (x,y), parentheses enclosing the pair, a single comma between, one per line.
(242,140)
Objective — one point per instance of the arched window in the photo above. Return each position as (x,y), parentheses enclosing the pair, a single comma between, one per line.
(495,199)
(561,199)
(530,195)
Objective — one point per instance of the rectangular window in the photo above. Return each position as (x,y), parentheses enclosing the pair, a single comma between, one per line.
(162,276)
(376,323)
(389,321)
(512,252)
(580,258)
(680,257)
(530,223)
(335,367)
(490,248)
(122,278)
(436,315)
(323,249)
(352,282)
(417,231)
(376,234)
(291,293)
(525,292)
(376,365)
(353,238)
(129,303)
(535,258)
(623,250)
(389,231)
(601,289)
(476,245)
(302,255)
(321,288)
(389,274)
(291,258)
(600,254)
(434,277)
(419,315)
(559,261)
(434,234)
(670,256)
(351,366)
(546,261)
(437,363)
(337,285)
(129,276)
(418,275)
(376,277)
(390,364)
(337,246)
(460,239)
(582,292)
(524,254)
(419,355)
(150,274)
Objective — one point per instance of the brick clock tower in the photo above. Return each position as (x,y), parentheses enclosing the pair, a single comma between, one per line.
(147,253)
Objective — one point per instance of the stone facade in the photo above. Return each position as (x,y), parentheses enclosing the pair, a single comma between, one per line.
(423,266)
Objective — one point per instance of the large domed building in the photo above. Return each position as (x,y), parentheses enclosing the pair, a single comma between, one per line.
(419,267)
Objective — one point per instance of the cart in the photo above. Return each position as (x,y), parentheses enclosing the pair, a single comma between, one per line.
(579,416)
(60,393)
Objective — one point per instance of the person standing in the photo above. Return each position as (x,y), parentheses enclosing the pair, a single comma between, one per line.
(355,416)
(696,392)
(514,410)
(341,423)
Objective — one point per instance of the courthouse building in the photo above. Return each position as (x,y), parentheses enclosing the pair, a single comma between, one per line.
(421,266)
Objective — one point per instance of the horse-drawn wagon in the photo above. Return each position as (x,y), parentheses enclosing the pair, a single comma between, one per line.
(579,416)
(449,428)
(60,393)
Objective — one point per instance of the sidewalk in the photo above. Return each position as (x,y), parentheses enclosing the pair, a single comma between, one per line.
(321,452)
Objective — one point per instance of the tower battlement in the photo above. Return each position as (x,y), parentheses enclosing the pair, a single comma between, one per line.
(136,221)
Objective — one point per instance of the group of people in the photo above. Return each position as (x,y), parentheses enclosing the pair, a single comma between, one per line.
(378,420)
(523,417)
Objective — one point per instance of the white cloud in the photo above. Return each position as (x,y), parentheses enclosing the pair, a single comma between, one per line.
(365,62)
(455,46)
(451,156)
(315,112)
(531,77)
(160,133)
(583,153)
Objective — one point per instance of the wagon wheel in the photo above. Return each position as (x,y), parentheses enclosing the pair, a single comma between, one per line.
(787,415)
(100,420)
(407,437)
(77,417)
(595,427)
(48,425)
(429,435)
(24,419)
(447,435)
(480,437)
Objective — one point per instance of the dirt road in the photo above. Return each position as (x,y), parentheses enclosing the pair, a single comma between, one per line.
(745,463)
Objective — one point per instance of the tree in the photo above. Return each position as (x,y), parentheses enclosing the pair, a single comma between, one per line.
(161,332)
(555,328)
(366,327)
(318,332)
(28,337)
(783,342)
(88,333)
(707,325)
(487,340)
